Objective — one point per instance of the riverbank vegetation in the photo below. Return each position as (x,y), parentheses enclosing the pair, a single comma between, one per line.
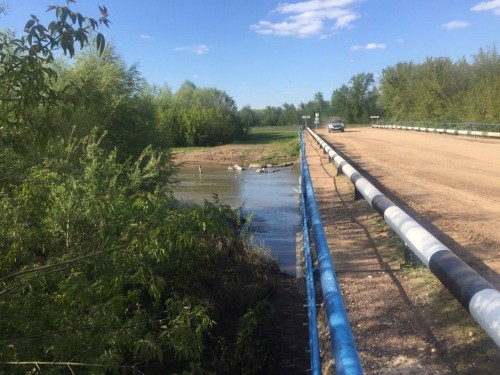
(102,270)
(101,266)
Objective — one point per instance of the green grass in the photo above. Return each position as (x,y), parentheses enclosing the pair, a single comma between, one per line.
(271,134)
(275,145)
(281,143)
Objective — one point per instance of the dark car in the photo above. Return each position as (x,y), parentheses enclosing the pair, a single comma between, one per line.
(336,124)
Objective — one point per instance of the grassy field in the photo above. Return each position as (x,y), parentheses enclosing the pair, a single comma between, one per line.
(265,145)
(271,134)
(279,144)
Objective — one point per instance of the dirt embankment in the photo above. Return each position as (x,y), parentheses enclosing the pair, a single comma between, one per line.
(232,154)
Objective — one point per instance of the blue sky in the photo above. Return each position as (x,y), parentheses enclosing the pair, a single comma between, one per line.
(266,52)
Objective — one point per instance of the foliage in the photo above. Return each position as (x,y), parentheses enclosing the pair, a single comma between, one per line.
(441,90)
(100,263)
(251,340)
(101,268)
(113,98)
(26,75)
(200,117)
(248,117)
(358,100)
(287,114)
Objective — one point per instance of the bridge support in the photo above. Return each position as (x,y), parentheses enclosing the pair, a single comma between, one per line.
(357,194)
(300,273)
(339,168)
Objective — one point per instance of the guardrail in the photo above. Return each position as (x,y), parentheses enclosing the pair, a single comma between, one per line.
(475,294)
(444,130)
(343,346)
(310,289)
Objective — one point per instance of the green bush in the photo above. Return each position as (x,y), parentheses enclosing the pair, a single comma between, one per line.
(100,263)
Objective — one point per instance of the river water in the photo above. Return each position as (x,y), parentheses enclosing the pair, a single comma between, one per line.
(271,198)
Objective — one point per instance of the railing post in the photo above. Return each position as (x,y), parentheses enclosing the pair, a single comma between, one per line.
(357,194)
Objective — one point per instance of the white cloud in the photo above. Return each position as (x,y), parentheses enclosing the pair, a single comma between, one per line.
(308,18)
(145,36)
(369,46)
(200,49)
(455,25)
(493,5)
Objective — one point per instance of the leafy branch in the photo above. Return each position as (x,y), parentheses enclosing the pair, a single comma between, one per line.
(26,76)
(37,364)
(69,264)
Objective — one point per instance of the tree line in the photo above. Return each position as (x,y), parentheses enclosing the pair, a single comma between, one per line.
(442,90)
(434,90)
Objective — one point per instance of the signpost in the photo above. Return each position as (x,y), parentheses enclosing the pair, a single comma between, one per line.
(305,119)
(374,118)
(316,120)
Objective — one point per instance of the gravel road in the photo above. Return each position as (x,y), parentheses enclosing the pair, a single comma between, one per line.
(404,321)
(451,182)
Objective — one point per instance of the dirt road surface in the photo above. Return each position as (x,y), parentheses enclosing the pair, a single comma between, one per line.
(404,321)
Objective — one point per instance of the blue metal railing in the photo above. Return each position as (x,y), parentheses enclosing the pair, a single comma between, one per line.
(343,346)
(311,293)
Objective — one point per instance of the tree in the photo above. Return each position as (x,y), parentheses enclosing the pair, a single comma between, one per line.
(203,117)
(434,89)
(290,115)
(361,97)
(358,101)
(26,76)
(271,116)
(441,90)
(248,117)
(163,98)
(483,99)
(321,106)
(398,88)
(115,99)
(340,102)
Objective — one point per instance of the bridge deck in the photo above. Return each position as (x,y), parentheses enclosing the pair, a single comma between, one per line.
(402,321)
